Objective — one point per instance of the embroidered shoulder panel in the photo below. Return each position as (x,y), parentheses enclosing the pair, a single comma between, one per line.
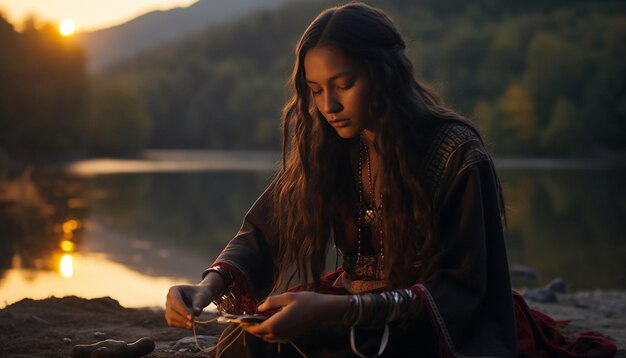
(449,140)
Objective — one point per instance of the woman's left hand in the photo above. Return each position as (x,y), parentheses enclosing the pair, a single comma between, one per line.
(298,313)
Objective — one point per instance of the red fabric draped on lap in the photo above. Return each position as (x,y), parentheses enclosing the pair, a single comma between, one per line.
(537,336)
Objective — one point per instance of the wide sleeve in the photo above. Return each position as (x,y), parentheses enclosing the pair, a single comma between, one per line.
(468,298)
(247,259)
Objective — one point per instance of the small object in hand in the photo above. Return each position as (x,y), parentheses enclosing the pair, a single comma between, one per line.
(114,349)
(243,318)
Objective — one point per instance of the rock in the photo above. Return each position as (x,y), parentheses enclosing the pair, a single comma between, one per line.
(540,295)
(525,271)
(114,348)
(190,342)
(557,285)
(579,304)
(107,302)
(40,320)
(185,341)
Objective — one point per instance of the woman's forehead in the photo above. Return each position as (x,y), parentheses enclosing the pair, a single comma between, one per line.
(323,63)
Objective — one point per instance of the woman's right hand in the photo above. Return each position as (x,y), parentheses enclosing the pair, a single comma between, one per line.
(185,301)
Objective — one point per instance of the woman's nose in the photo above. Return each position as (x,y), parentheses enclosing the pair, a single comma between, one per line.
(332,104)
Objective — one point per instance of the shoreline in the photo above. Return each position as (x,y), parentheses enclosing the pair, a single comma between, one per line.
(184,160)
(54,325)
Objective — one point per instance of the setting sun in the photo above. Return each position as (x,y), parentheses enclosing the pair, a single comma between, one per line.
(67,27)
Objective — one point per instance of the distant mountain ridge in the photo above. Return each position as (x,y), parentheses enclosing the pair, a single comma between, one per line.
(104,47)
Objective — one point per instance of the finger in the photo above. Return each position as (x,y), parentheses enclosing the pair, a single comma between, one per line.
(257,329)
(197,310)
(173,316)
(271,339)
(268,337)
(262,332)
(175,303)
(274,302)
(201,300)
(174,319)
(252,329)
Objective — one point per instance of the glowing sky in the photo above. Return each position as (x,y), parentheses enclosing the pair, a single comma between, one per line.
(87,14)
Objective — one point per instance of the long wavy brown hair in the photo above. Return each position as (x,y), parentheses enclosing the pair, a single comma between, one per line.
(317,173)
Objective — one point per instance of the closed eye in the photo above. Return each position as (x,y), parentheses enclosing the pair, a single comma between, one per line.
(347,85)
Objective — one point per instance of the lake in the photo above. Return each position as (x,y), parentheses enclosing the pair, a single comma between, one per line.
(132,228)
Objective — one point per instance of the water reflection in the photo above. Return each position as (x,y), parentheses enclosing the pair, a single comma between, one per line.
(147,219)
(66,266)
(35,220)
(568,223)
(177,161)
(67,245)
(131,236)
(157,225)
(93,276)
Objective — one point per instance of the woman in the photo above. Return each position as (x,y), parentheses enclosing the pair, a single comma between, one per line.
(376,164)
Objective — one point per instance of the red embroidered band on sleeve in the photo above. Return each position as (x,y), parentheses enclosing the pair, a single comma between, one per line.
(239,297)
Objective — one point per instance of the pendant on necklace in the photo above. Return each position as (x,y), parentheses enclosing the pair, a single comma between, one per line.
(370,216)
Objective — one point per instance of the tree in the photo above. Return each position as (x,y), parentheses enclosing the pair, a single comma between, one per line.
(555,68)
(43,91)
(564,129)
(604,101)
(119,124)
(519,68)
(519,112)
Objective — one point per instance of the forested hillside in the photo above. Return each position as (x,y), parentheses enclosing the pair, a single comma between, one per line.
(540,77)
(106,46)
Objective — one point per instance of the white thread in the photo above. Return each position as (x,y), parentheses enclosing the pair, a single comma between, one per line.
(298,349)
(383,343)
(209,350)
(233,341)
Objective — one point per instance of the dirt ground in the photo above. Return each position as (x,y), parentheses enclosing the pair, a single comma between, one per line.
(51,327)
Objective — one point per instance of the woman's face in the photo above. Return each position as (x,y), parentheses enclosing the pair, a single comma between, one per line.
(340,89)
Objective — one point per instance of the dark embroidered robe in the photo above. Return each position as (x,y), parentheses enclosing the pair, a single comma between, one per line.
(468,306)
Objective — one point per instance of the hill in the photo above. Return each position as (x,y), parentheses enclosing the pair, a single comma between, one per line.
(106,46)
(539,77)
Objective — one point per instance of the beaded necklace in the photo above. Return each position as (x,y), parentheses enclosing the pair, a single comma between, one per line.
(372,215)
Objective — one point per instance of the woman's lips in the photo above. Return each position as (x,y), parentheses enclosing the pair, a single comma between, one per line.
(339,123)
